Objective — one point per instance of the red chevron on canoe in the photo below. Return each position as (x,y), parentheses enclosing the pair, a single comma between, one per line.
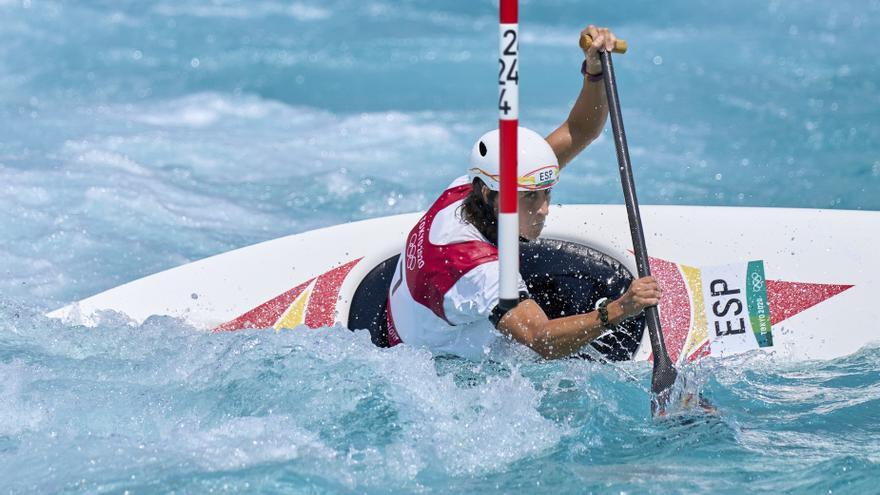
(787,299)
(321,308)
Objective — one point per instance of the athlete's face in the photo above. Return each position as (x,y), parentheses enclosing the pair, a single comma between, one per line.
(534,206)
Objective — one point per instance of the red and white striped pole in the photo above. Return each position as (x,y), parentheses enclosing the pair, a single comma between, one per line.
(508,113)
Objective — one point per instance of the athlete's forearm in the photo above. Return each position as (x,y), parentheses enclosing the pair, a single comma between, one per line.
(528,324)
(565,336)
(589,113)
(584,124)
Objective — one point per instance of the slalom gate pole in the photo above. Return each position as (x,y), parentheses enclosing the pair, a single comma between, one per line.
(664,373)
(508,115)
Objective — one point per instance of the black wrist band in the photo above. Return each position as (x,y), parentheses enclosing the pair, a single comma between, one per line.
(591,77)
(603,314)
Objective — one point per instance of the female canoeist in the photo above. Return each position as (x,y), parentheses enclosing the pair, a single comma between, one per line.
(444,294)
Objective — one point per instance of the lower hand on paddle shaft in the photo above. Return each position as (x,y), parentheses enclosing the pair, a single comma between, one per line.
(642,293)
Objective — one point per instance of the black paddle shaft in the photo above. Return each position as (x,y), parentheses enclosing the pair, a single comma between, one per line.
(664,374)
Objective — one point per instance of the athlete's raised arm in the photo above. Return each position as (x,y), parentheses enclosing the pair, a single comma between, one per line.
(528,324)
(587,117)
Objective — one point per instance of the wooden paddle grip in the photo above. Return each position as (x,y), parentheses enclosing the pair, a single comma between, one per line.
(620,46)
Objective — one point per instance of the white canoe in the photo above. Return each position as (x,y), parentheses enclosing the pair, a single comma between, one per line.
(820,266)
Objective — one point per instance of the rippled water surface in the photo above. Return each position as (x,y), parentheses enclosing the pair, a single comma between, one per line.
(137,136)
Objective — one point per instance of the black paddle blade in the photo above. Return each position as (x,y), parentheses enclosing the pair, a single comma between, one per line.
(662,383)
(684,408)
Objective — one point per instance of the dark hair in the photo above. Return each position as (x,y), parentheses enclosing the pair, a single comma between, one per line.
(476,211)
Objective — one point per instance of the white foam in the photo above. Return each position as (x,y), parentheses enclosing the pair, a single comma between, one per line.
(19,415)
(300,11)
(547,36)
(202,110)
(466,430)
(100,157)
(306,12)
(246,441)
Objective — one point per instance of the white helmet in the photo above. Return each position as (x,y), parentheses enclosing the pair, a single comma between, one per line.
(537,164)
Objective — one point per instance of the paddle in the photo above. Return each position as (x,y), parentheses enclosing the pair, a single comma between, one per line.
(664,373)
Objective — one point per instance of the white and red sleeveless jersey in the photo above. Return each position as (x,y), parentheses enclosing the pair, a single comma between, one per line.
(445,286)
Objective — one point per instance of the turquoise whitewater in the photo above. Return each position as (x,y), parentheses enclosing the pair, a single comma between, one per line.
(136,137)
